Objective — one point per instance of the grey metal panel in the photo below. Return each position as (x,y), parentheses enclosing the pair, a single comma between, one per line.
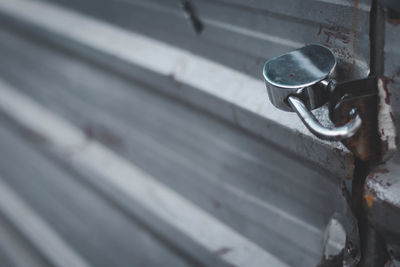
(382,186)
(14,251)
(227,94)
(268,194)
(392,69)
(86,221)
(196,155)
(248,32)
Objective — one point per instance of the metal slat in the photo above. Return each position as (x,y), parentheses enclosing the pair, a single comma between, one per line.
(221,169)
(131,181)
(14,252)
(168,163)
(263,188)
(81,220)
(235,97)
(36,230)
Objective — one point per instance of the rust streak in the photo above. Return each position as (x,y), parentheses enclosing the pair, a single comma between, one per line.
(355,25)
(369,199)
(393,17)
(222,251)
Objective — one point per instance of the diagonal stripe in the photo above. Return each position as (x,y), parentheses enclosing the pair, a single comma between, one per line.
(37,231)
(128,179)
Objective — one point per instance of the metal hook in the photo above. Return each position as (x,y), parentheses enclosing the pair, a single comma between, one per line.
(330,134)
(300,81)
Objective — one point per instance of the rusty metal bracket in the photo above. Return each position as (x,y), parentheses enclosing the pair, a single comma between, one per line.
(362,95)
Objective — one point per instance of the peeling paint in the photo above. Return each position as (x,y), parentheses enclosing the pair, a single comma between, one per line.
(386,126)
(385,82)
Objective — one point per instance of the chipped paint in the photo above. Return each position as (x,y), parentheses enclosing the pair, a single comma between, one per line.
(386,126)
(339,39)
(355,25)
(383,185)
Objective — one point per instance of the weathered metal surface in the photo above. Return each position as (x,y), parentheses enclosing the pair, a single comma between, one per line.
(390,81)
(382,195)
(382,202)
(132,103)
(15,251)
(362,96)
(334,243)
(386,123)
(251,30)
(236,97)
(222,198)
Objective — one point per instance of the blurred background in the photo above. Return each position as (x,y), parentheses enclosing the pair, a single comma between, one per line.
(139,133)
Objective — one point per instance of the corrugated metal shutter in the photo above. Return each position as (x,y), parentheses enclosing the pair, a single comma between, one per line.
(133,141)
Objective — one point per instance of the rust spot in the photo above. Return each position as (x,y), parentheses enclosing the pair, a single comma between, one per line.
(381,170)
(216,204)
(393,17)
(369,199)
(338,38)
(385,146)
(173,79)
(366,142)
(355,24)
(374,173)
(386,81)
(32,136)
(333,34)
(222,251)
(103,135)
(356,5)
(391,116)
(394,21)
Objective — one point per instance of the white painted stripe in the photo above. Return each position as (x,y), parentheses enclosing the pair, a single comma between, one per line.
(37,231)
(116,171)
(241,91)
(209,76)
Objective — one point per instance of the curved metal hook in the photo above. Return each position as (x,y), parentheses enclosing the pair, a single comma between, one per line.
(330,134)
